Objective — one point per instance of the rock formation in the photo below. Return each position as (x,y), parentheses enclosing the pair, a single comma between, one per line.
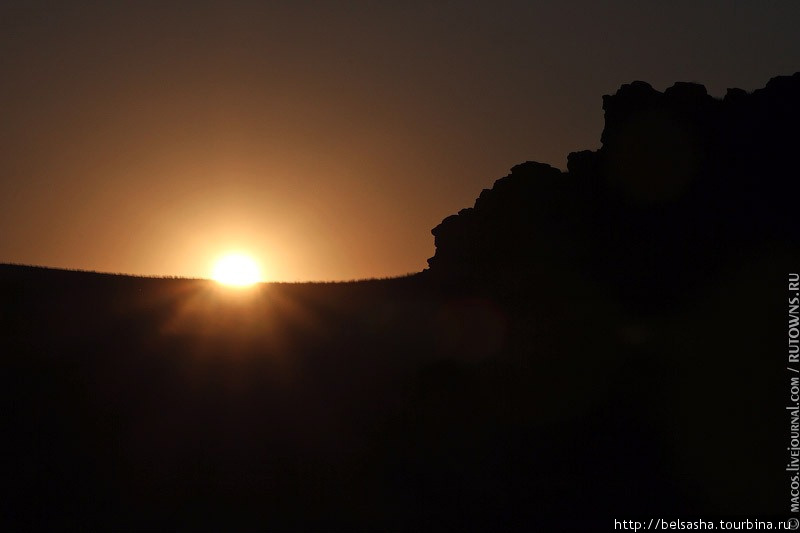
(682,185)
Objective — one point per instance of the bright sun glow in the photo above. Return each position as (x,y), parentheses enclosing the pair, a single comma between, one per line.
(236,269)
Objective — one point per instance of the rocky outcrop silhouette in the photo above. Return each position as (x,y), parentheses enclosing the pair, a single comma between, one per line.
(683,184)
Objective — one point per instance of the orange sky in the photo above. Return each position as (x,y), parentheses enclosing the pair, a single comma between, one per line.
(325,139)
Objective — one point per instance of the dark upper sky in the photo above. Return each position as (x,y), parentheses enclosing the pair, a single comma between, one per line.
(324,138)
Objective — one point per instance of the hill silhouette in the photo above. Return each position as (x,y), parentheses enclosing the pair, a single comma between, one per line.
(606,342)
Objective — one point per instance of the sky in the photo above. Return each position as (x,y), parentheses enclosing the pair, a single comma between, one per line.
(325,139)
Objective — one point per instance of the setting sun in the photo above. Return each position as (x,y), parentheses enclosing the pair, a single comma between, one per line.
(236,269)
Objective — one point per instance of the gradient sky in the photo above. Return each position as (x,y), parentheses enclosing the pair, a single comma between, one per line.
(324,138)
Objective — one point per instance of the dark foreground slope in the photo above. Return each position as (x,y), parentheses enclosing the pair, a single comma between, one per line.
(609,342)
(150,403)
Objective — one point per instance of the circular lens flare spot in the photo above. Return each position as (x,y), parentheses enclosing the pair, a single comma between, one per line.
(235,269)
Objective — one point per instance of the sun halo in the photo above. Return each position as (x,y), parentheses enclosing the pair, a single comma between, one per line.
(236,270)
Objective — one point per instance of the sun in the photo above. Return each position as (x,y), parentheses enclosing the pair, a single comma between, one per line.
(237,270)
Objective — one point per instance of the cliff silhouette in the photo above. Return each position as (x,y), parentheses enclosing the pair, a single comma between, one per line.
(683,185)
